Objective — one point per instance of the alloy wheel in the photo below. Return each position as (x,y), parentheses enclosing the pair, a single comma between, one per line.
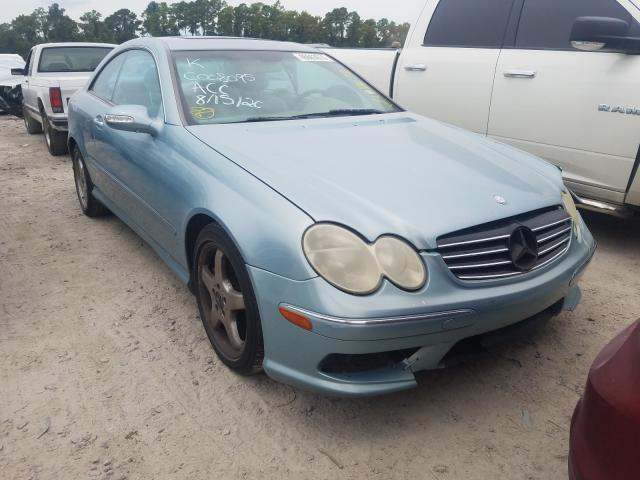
(223,303)
(81,181)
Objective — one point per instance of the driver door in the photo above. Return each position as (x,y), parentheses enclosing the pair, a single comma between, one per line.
(138,163)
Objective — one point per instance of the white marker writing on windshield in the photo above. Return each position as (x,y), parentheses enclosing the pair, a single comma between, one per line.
(194,62)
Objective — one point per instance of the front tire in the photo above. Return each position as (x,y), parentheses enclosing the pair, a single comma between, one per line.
(30,124)
(226,301)
(84,186)
(56,141)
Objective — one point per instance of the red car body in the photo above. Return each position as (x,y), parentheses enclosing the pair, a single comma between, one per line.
(605,429)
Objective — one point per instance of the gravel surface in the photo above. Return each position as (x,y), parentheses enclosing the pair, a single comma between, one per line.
(106,372)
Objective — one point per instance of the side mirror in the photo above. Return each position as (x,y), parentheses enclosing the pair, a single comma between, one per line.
(19,71)
(591,34)
(132,118)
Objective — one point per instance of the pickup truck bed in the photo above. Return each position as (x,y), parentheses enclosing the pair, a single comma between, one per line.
(54,72)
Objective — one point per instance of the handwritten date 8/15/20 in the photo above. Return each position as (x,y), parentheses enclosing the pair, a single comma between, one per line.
(218,95)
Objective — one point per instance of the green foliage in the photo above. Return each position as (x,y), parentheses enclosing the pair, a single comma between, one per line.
(122,25)
(339,27)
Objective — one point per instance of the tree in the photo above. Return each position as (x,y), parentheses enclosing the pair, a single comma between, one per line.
(92,28)
(241,26)
(354,30)
(208,12)
(57,26)
(122,25)
(159,20)
(369,34)
(306,29)
(334,26)
(226,20)
(25,32)
(338,27)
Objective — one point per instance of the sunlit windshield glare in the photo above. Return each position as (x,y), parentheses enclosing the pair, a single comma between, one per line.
(245,86)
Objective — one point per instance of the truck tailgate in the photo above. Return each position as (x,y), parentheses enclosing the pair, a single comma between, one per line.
(68,83)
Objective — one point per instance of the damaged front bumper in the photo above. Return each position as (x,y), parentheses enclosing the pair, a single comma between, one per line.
(11,99)
(374,344)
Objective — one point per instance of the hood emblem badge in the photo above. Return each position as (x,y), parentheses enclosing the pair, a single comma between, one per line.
(500,199)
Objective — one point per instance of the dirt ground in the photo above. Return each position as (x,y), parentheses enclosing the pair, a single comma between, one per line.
(106,372)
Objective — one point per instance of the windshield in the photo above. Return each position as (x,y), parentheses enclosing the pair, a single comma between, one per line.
(253,86)
(71,59)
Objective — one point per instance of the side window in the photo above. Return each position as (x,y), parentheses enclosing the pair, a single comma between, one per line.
(547,24)
(29,63)
(138,83)
(105,82)
(465,23)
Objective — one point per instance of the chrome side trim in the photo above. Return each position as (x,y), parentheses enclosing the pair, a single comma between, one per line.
(468,242)
(537,229)
(547,262)
(554,246)
(475,254)
(513,274)
(554,235)
(602,207)
(488,277)
(380,320)
(481,265)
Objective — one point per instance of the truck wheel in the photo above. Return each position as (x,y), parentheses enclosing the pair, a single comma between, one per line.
(30,124)
(84,186)
(56,141)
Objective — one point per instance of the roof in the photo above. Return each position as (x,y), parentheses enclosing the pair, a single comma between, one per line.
(76,44)
(226,43)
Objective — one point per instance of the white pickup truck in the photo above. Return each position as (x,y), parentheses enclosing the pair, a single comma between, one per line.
(53,72)
(558,78)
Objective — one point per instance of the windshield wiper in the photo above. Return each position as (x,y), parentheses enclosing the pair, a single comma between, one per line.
(275,119)
(331,113)
(353,111)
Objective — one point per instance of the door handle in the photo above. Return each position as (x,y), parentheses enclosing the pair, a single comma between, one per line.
(520,74)
(99,121)
(418,67)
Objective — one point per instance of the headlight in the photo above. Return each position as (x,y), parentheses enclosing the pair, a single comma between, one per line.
(346,261)
(570,207)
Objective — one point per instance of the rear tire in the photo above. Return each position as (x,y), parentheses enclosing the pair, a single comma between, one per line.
(84,187)
(30,124)
(56,141)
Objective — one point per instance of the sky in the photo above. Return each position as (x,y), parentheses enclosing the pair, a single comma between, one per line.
(398,10)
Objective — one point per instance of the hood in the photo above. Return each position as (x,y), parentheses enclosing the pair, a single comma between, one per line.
(398,173)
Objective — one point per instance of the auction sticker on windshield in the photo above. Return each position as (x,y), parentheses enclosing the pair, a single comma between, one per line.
(313,57)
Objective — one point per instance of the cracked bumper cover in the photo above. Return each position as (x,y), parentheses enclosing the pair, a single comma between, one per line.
(427,323)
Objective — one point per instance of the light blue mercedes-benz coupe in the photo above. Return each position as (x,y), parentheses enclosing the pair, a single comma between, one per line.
(330,237)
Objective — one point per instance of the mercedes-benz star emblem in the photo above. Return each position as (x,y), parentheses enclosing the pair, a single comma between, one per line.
(523,249)
(500,199)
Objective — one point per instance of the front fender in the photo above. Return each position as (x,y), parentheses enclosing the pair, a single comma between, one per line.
(266,227)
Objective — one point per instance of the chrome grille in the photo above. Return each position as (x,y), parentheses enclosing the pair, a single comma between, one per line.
(483,252)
